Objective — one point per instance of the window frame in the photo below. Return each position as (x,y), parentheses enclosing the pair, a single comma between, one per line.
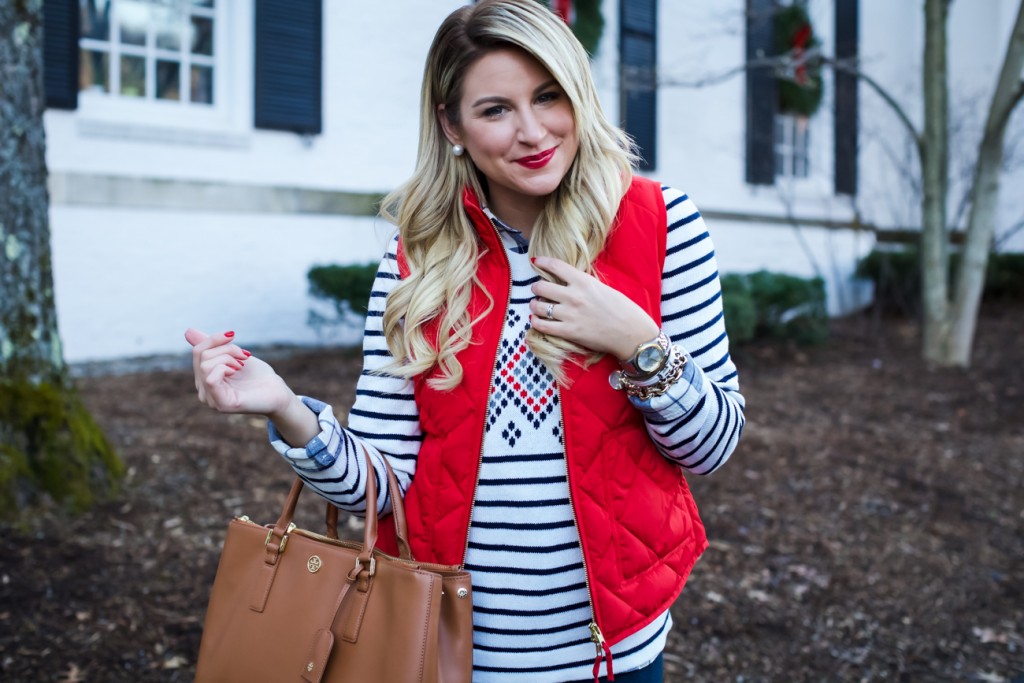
(113,107)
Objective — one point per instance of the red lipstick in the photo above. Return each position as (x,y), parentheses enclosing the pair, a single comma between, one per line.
(537,160)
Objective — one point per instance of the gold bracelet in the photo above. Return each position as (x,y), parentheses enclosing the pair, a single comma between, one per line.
(671,373)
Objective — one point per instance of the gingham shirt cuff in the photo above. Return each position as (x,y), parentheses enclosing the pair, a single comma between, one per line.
(322,450)
(679,398)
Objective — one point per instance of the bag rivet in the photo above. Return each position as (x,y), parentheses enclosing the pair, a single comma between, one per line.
(309,667)
(313,564)
(462,592)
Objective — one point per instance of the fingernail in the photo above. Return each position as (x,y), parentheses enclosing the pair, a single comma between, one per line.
(247,354)
(229,334)
(533,259)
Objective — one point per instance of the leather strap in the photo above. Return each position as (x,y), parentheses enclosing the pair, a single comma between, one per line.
(323,640)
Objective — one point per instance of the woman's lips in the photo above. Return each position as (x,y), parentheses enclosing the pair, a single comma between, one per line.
(537,160)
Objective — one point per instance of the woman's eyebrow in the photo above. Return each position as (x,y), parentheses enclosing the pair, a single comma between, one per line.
(501,100)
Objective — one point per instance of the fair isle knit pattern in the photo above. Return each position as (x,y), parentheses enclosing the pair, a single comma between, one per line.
(531,604)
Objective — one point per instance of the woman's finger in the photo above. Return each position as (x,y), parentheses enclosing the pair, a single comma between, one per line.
(549,290)
(230,350)
(218,394)
(208,364)
(559,268)
(549,310)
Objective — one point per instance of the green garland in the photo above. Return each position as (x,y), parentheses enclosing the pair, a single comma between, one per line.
(589,24)
(795,97)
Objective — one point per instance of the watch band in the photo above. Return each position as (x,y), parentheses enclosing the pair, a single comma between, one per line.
(631,367)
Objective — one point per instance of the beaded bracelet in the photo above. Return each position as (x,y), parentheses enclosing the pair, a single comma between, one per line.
(668,376)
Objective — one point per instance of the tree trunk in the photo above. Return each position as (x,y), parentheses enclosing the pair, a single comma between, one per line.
(981,222)
(48,442)
(935,169)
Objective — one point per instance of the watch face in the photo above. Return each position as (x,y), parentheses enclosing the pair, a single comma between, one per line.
(650,358)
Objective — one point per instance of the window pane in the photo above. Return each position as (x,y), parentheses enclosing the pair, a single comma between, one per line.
(202,84)
(94,71)
(168,80)
(132,18)
(94,19)
(168,37)
(202,36)
(133,76)
(167,20)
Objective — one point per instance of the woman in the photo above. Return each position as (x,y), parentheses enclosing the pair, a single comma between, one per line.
(561,324)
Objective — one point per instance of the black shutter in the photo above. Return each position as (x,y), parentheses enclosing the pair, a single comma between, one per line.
(638,78)
(761,94)
(846,114)
(289,65)
(60,53)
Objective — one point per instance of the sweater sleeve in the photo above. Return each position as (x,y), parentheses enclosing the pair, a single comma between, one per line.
(384,420)
(698,421)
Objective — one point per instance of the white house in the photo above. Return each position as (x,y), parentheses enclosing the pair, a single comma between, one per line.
(203,154)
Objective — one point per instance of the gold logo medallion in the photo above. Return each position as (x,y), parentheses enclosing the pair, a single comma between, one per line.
(314,564)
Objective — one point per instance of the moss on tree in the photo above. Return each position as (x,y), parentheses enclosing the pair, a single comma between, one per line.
(50,447)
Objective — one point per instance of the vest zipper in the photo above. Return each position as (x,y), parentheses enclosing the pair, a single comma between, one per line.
(604,651)
(490,390)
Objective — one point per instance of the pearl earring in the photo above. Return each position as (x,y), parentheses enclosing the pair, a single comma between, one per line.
(457,150)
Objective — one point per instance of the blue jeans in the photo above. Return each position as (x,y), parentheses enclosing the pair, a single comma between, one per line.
(652,673)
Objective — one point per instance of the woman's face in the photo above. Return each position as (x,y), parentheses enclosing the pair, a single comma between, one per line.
(517,126)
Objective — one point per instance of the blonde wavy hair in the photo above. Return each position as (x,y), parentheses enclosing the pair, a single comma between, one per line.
(440,244)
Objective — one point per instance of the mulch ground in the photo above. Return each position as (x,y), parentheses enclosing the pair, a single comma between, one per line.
(868,528)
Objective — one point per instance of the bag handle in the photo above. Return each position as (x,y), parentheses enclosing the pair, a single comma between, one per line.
(276,540)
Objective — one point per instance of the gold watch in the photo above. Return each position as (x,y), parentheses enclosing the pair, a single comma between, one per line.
(648,359)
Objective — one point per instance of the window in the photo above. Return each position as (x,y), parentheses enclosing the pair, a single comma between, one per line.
(638,76)
(156,50)
(792,135)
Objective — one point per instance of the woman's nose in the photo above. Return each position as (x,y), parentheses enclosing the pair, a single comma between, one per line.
(531,130)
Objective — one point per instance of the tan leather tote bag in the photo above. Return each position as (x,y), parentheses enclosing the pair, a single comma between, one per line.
(292,605)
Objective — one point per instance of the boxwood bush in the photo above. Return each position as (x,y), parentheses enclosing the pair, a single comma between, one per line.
(757,305)
(774,305)
(897,277)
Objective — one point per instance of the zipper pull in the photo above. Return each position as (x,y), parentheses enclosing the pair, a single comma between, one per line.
(603,651)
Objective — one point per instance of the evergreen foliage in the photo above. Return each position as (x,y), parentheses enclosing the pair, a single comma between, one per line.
(897,277)
(775,306)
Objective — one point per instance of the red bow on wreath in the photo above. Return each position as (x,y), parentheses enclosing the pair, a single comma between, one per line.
(563,8)
(799,43)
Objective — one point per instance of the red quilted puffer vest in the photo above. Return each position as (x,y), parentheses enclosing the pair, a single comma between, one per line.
(637,520)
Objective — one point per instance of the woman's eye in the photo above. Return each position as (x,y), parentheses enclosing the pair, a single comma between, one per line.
(492,112)
(548,97)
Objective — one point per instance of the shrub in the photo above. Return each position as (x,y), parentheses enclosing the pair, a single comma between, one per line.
(348,287)
(739,307)
(897,277)
(774,305)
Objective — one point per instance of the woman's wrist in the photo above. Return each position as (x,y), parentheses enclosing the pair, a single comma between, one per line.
(295,422)
(634,338)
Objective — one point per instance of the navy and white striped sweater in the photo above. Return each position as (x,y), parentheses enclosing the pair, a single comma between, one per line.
(531,608)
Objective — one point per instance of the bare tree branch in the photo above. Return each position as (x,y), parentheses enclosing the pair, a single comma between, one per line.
(1005,237)
(783,66)
(852,68)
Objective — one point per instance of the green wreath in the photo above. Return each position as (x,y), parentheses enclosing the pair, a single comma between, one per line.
(589,24)
(800,89)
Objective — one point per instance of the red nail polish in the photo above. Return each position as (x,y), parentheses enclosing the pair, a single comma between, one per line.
(247,354)
(229,334)
(533,259)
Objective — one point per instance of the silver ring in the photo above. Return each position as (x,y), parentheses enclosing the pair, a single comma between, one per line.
(550,314)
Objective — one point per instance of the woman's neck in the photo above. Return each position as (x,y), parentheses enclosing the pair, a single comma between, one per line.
(520,215)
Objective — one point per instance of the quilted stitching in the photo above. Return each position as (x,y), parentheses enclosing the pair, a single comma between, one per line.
(440,498)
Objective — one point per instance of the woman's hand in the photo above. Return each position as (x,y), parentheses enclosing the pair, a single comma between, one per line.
(232,380)
(588,312)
